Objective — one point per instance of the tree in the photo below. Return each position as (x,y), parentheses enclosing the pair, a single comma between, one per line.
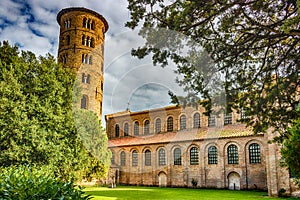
(36,120)
(290,150)
(253,46)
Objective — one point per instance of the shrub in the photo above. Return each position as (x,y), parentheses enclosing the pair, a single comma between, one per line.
(25,183)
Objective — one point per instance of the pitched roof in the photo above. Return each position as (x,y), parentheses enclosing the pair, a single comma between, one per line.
(228,131)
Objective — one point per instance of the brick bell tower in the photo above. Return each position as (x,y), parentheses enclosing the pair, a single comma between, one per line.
(81,47)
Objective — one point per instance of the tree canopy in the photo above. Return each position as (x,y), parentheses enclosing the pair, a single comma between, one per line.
(252,44)
(37,124)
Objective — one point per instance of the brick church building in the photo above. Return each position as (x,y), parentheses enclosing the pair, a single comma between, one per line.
(181,147)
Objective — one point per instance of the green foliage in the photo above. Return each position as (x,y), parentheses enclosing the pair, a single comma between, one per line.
(37,125)
(25,183)
(290,151)
(244,53)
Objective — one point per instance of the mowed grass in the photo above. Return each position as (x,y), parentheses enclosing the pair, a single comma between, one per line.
(155,193)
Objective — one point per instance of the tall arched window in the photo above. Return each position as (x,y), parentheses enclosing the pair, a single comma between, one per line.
(177,156)
(146,127)
(88,79)
(194,156)
(89,24)
(182,122)
(147,157)
(123,158)
(157,125)
(212,155)
(254,153)
(84,101)
(233,155)
(161,157)
(126,129)
(117,130)
(170,124)
(136,128)
(92,42)
(83,40)
(196,120)
(135,160)
(84,23)
(112,159)
(91,60)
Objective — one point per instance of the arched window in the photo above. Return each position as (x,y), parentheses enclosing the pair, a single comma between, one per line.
(117,130)
(170,124)
(126,129)
(123,158)
(157,125)
(212,155)
(135,160)
(88,39)
(88,79)
(136,128)
(83,77)
(68,39)
(93,25)
(233,155)
(182,122)
(84,23)
(90,60)
(177,156)
(84,101)
(196,120)
(86,59)
(83,40)
(92,42)
(254,153)
(161,157)
(112,159)
(147,157)
(194,156)
(147,127)
(89,24)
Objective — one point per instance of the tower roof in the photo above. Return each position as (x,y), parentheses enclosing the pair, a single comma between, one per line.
(66,10)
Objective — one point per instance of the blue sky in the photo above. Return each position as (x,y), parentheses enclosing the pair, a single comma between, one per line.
(32,25)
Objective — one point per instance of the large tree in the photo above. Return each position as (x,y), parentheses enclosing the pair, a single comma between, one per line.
(253,44)
(37,124)
(249,49)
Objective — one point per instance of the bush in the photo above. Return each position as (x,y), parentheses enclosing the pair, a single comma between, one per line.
(25,183)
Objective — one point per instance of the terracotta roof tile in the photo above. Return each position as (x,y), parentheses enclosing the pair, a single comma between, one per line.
(186,135)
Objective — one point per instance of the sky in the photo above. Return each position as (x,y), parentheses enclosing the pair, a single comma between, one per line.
(128,81)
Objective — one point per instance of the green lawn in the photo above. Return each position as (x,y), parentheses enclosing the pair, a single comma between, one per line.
(153,193)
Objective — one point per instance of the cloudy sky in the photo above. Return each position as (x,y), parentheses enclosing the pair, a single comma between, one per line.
(31,24)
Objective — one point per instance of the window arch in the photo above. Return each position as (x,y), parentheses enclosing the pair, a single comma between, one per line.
(126,129)
(136,128)
(196,120)
(233,155)
(254,153)
(117,130)
(177,156)
(194,156)
(84,23)
(182,122)
(161,157)
(135,158)
(212,155)
(170,124)
(157,125)
(123,158)
(146,127)
(84,101)
(147,157)
(112,159)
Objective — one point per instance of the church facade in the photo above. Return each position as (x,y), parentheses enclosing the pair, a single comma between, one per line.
(181,147)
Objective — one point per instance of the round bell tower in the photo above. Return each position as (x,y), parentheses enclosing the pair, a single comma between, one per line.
(81,48)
